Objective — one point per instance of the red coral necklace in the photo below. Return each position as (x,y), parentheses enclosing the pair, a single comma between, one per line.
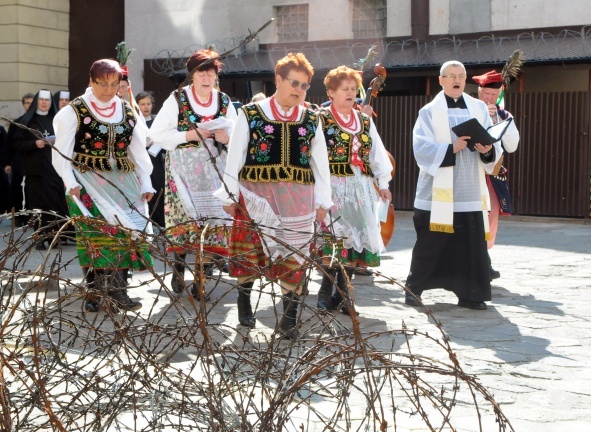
(203,104)
(349,124)
(277,114)
(104,112)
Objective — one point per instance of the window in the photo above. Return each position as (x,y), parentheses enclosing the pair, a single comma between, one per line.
(369,19)
(292,23)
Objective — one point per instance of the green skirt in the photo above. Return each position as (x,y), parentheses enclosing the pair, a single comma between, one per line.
(103,246)
(350,257)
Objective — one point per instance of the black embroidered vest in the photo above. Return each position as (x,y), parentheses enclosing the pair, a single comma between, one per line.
(339,145)
(278,151)
(187,115)
(96,140)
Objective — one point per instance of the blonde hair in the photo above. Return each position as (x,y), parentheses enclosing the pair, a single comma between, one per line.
(297,61)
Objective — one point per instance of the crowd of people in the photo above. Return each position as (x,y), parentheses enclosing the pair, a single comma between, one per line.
(249,185)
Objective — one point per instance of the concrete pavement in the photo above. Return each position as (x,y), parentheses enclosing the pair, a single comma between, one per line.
(530,349)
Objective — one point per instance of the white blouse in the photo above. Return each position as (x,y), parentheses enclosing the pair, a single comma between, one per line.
(65,125)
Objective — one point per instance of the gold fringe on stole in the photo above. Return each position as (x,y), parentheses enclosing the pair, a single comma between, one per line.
(441,228)
(487,236)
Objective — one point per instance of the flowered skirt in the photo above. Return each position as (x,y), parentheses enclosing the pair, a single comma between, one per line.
(285,217)
(103,246)
(189,204)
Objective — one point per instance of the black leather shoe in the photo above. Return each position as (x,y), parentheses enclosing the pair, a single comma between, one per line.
(410,300)
(493,274)
(472,304)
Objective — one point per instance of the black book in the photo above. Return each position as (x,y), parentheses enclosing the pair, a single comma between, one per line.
(478,134)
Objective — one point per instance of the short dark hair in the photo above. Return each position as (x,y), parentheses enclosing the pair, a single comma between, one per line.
(143,95)
(198,58)
(27,96)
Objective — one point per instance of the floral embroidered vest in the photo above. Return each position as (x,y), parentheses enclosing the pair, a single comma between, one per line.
(339,145)
(278,151)
(96,140)
(186,114)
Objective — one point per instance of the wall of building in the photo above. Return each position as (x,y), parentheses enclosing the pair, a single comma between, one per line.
(33,49)
(153,26)
(201,22)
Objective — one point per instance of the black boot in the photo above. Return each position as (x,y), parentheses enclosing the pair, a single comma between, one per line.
(91,304)
(325,291)
(245,315)
(290,315)
(178,279)
(119,294)
(208,269)
(340,299)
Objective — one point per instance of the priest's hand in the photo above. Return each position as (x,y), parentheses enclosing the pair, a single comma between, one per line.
(460,143)
(483,148)
(147,196)
(40,144)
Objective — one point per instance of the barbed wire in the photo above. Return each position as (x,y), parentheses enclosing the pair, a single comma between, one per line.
(178,364)
(538,46)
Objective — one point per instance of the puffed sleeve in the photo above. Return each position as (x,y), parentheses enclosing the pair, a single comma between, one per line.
(379,161)
(321,170)
(65,125)
(237,149)
(164,130)
(140,157)
(511,137)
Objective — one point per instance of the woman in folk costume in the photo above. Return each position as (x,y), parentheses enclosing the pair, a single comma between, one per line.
(451,202)
(110,179)
(194,167)
(44,189)
(278,173)
(356,157)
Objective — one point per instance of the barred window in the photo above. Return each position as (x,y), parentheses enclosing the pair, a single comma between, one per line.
(369,19)
(292,23)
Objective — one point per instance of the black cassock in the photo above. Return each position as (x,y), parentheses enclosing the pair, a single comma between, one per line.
(44,188)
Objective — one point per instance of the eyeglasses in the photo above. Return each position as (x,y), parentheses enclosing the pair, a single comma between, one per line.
(105,85)
(453,77)
(295,84)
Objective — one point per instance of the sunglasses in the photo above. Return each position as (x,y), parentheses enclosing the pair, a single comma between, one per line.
(295,84)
